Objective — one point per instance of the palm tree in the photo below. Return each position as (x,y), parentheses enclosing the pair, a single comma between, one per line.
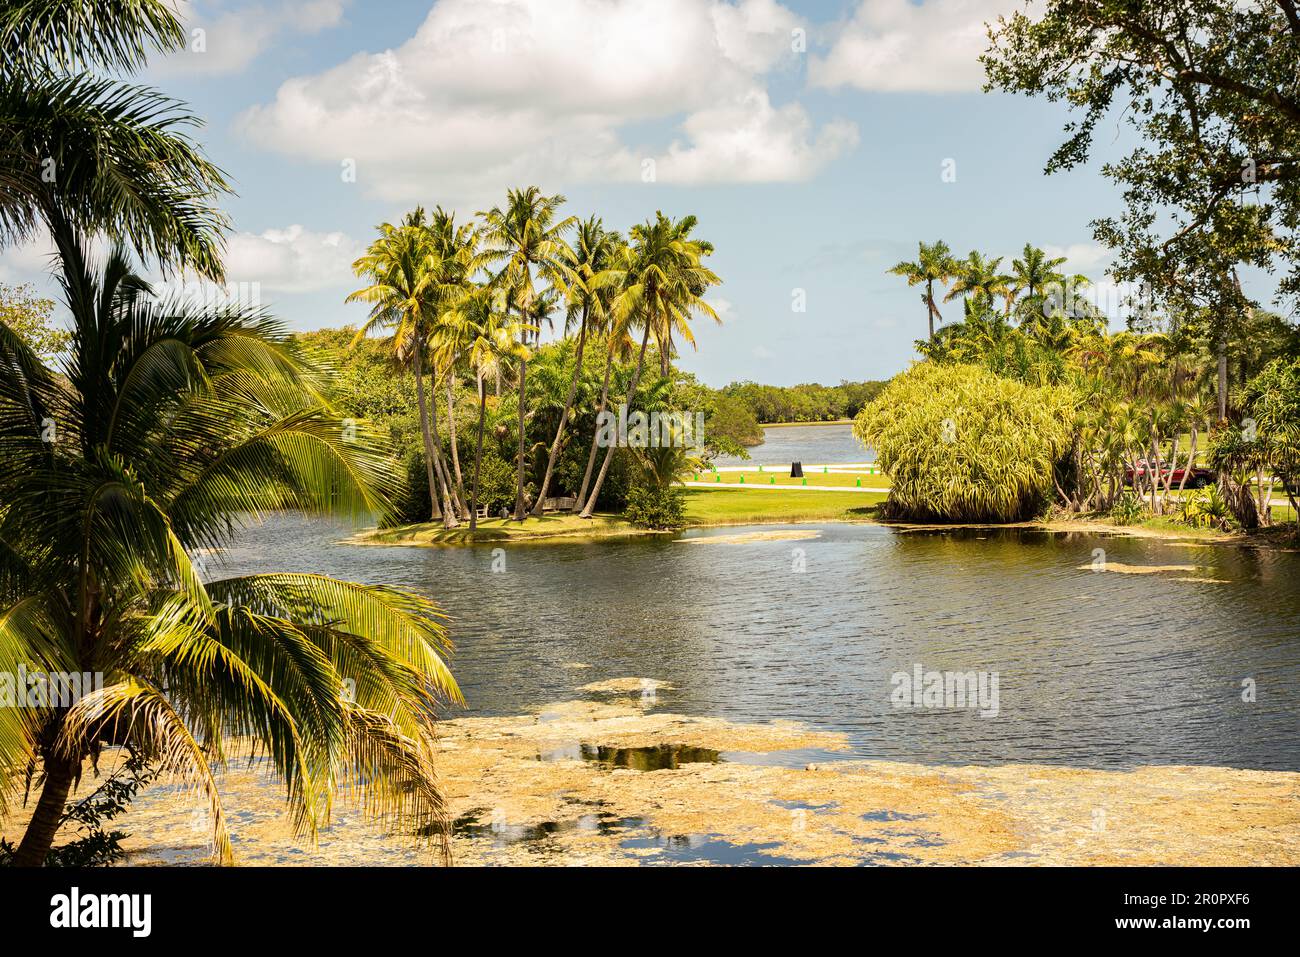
(662,286)
(100,154)
(588,290)
(454,259)
(173,422)
(979,278)
(525,238)
(489,340)
(397,264)
(934,263)
(1033,273)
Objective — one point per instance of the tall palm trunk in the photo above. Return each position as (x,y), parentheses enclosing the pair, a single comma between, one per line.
(478,455)
(564,416)
(609,453)
(591,456)
(449,509)
(451,432)
(519,470)
(929,306)
(44,825)
(435,510)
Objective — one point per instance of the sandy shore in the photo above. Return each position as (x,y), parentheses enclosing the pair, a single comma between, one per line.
(611,782)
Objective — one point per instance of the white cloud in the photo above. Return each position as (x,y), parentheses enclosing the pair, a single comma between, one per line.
(224,43)
(493,92)
(291,260)
(763,353)
(899,46)
(1087,258)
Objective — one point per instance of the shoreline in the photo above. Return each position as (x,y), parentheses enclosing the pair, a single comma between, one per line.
(614,528)
(608,780)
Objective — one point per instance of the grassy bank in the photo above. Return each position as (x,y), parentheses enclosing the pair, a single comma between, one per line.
(707,507)
(704,507)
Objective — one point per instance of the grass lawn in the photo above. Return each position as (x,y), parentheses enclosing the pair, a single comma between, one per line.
(782,477)
(739,507)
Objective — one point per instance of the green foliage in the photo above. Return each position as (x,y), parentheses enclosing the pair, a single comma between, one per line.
(961,444)
(1209,87)
(1206,508)
(809,402)
(651,506)
(1128,509)
(1271,400)
(28,315)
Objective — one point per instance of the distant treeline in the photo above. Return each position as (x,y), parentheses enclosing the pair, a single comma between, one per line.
(808,402)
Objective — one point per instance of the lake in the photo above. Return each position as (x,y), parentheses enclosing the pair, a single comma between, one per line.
(1102,669)
(811,444)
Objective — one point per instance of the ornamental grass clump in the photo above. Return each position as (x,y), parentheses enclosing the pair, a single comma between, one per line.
(961,444)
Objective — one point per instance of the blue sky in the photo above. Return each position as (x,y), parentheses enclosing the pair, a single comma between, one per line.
(813,159)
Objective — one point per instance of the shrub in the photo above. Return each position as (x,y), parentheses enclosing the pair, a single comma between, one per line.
(651,507)
(1207,509)
(1127,510)
(961,444)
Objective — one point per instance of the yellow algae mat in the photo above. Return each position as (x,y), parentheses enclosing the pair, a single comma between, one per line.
(608,782)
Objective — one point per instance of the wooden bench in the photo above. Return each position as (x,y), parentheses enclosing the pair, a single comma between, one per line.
(558,503)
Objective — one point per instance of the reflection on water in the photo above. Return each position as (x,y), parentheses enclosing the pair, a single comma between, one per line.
(659,757)
(1096,669)
(805,443)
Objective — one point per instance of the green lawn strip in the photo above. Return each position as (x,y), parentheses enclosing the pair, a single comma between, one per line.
(723,506)
(782,477)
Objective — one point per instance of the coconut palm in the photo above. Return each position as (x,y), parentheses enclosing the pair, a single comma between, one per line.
(100,154)
(978,278)
(588,290)
(455,259)
(164,426)
(528,242)
(398,267)
(934,263)
(662,286)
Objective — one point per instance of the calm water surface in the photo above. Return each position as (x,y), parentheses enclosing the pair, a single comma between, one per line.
(812,444)
(1095,669)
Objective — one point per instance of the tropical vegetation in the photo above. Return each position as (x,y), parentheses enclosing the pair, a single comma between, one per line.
(129,460)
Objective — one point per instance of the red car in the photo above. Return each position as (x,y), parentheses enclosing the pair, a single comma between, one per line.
(1197,477)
